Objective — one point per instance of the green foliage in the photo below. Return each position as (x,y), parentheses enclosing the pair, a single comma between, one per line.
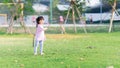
(28,10)
(110,1)
(5,1)
(55,2)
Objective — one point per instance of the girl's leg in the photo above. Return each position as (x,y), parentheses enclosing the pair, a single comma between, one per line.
(35,47)
(41,47)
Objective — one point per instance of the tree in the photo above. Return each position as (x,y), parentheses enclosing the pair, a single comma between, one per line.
(16,13)
(112,17)
(113,4)
(16,8)
(77,6)
(28,10)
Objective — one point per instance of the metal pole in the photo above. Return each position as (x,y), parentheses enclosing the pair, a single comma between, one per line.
(101,12)
(51,11)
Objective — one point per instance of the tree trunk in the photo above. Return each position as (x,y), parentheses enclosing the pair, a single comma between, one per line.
(15,13)
(73,18)
(67,16)
(10,28)
(22,18)
(80,17)
(112,17)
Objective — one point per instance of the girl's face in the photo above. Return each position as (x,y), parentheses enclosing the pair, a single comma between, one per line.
(41,21)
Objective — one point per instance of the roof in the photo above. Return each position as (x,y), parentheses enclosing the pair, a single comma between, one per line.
(62,7)
(40,7)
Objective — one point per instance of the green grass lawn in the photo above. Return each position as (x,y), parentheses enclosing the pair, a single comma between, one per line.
(92,50)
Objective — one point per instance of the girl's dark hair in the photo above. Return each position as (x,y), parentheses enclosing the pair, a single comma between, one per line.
(38,19)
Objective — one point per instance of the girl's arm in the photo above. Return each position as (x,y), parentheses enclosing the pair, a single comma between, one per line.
(41,29)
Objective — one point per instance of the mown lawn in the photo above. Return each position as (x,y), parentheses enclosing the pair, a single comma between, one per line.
(92,50)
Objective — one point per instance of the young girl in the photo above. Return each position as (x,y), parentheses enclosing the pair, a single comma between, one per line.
(39,35)
(61,21)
